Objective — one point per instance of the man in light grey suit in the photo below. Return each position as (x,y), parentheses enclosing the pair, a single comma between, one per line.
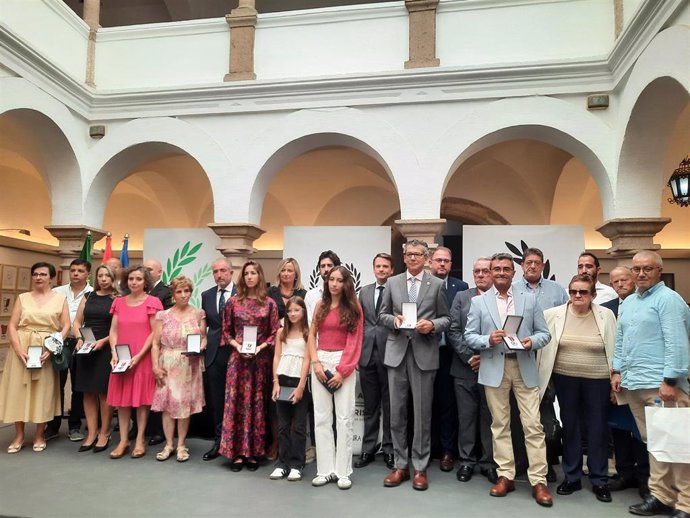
(412,359)
(373,375)
(502,369)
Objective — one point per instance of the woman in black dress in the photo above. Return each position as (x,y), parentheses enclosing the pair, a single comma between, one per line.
(288,285)
(93,369)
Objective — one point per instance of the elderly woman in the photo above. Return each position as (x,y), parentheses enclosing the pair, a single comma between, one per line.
(132,324)
(94,368)
(288,285)
(180,389)
(578,360)
(33,395)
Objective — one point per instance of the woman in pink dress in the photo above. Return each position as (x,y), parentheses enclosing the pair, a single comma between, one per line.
(133,318)
(179,384)
(247,389)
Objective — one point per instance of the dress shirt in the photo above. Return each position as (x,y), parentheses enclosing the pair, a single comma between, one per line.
(228,294)
(549,293)
(418,279)
(311,299)
(73,300)
(505,305)
(652,339)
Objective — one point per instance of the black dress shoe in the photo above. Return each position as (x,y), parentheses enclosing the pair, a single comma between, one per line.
(364,460)
(464,474)
(568,488)
(650,507)
(680,514)
(236,466)
(252,465)
(602,493)
(389,459)
(490,474)
(212,453)
(619,483)
(156,439)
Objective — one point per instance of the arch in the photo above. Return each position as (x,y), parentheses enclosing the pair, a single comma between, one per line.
(60,138)
(138,141)
(546,119)
(306,130)
(470,212)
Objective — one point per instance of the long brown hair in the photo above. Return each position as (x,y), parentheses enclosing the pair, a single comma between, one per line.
(303,323)
(243,290)
(348,307)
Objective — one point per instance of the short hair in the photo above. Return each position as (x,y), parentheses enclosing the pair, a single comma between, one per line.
(43,264)
(533,251)
(589,254)
(583,277)
(181,281)
(502,256)
(648,254)
(148,282)
(419,243)
(442,248)
(328,254)
(226,260)
(383,255)
(482,258)
(298,273)
(625,269)
(81,262)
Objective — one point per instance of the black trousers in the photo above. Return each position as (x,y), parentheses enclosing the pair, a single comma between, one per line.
(632,458)
(216,375)
(373,380)
(76,412)
(474,425)
(292,428)
(444,412)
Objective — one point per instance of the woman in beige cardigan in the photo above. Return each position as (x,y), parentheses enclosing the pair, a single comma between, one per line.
(578,361)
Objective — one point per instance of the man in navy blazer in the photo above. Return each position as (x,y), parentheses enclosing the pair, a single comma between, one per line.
(502,369)
(444,414)
(212,302)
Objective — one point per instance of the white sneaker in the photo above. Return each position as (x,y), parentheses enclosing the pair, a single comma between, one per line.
(294,475)
(344,483)
(278,473)
(320,480)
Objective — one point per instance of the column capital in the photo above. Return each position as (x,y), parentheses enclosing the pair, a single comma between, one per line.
(237,240)
(421,5)
(242,22)
(242,17)
(422,229)
(71,240)
(630,235)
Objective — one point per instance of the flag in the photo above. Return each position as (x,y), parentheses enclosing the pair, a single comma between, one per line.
(124,254)
(86,249)
(108,252)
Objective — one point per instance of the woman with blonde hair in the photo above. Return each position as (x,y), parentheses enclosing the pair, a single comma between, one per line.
(288,284)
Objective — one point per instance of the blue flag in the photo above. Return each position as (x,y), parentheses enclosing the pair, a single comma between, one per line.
(124,255)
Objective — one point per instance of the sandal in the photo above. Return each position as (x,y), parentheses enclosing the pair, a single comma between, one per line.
(138,453)
(182,454)
(39,447)
(15,448)
(165,453)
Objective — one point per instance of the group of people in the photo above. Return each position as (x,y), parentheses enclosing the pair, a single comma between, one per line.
(446,370)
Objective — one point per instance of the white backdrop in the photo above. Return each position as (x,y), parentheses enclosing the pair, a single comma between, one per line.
(561,244)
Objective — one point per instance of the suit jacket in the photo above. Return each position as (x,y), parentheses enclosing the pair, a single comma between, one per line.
(454,337)
(374,333)
(555,320)
(162,292)
(453,287)
(432,304)
(612,305)
(213,321)
(484,318)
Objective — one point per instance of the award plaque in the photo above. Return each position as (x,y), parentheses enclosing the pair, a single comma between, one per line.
(124,358)
(249,340)
(89,340)
(193,345)
(511,326)
(34,360)
(409,313)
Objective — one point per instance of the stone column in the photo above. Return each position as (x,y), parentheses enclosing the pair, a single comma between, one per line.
(242,22)
(630,235)
(422,229)
(71,240)
(237,241)
(92,15)
(617,18)
(422,20)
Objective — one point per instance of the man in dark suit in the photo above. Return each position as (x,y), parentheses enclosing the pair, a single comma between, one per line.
(474,418)
(412,359)
(212,302)
(444,416)
(373,376)
(630,453)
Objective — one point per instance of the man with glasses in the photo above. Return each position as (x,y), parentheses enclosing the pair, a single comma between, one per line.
(650,362)
(588,264)
(474,418)
(412,359)
(502,369)
(444,416)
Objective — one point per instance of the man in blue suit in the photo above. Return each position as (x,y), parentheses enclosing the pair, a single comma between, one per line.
(444,414)
(502,369)
(212,302)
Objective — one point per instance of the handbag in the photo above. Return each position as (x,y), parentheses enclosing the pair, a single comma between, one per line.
(61,356)
(667,433)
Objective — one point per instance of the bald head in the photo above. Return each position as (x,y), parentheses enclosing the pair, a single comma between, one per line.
(155,268)
(115,265)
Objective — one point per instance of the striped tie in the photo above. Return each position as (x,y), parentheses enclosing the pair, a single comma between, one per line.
(412,295)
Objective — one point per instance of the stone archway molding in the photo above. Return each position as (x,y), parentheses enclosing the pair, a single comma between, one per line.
(470,212)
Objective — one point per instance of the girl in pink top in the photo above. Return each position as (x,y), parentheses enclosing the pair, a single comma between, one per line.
(338,322)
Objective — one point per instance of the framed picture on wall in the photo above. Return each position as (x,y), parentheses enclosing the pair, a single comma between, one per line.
(23,279)
(6,304)
(9,277)
(4,324)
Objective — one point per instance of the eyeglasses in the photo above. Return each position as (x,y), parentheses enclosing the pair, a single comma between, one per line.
(581,293)
(505,269)
(442,261)
(40,274)
(414,254)
(647,269)
(482,271)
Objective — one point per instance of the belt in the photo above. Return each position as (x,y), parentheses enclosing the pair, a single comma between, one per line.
(511,356)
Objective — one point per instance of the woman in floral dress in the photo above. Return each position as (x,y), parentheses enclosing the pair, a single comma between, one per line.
(244,420)
(179,385)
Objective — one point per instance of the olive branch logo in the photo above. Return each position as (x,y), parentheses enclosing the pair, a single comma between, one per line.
(518,257)
(183,257)
(315,278)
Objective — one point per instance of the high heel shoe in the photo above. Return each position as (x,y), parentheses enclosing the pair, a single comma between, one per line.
(98,449)
(86,447)
(118,452)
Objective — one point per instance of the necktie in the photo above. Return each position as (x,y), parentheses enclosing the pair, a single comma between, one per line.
(221,301)
(412,295)
(379,299)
